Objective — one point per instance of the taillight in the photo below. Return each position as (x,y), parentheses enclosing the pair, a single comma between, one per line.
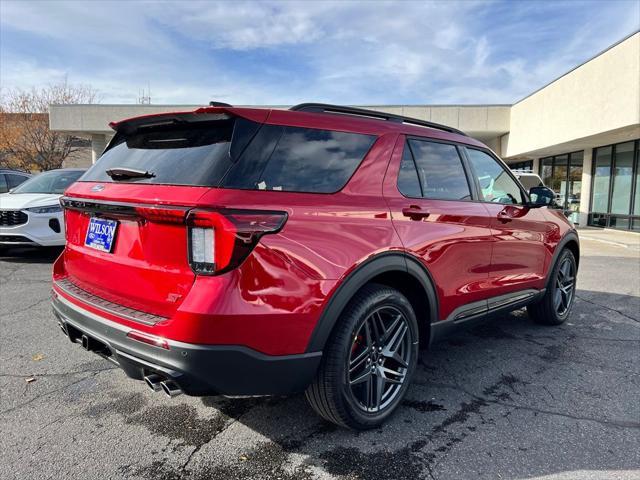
(161,214)
(149,339)
(220,240)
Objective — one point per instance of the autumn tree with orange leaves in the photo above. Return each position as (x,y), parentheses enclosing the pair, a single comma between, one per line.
(26,142)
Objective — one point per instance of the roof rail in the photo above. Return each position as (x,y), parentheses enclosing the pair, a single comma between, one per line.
(363,112)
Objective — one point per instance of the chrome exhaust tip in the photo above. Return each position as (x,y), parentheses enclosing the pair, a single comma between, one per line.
(153,381)
(171,388)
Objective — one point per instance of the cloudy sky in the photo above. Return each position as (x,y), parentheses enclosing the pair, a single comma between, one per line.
(268,52)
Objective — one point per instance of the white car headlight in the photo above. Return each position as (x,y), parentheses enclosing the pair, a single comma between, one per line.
(45,209)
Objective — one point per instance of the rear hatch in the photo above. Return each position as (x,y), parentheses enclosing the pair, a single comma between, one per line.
(125,218)
(193,192)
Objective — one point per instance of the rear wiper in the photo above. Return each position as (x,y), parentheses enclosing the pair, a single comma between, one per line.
(123,173)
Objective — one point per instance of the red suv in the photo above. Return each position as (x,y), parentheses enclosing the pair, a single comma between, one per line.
(244,251)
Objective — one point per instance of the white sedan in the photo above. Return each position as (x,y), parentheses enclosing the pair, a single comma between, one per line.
(30,214)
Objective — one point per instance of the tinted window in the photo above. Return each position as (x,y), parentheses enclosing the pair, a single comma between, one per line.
(237,153)
(309,160)
(496,184)
(14,180)
(3,184)
(54,181)
(440,171)
(408,182)
(193,154)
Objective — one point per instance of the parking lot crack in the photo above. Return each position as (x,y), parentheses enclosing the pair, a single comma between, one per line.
(606,307)
(50,392)
(62,374)
(608,423)
(27,307)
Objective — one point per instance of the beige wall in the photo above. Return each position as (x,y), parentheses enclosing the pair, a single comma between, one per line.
(599,97)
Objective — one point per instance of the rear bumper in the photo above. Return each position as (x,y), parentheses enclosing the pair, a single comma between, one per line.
(198,369)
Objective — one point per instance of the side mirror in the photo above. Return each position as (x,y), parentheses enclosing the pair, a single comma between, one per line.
(541,197)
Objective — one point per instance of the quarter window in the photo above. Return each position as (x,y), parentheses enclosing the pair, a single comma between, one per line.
(496,185)
(439,169)
(408,182)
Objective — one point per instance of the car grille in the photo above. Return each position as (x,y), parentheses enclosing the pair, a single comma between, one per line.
(10,218)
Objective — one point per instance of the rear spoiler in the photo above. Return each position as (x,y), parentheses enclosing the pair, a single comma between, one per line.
(204,114)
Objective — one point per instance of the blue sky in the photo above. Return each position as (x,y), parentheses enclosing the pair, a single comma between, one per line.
(267,52)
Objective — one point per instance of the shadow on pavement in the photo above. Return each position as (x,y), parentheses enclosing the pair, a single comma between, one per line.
(30,254)
(475,383)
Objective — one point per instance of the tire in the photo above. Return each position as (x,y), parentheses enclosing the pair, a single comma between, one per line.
(351,374)
(549,311)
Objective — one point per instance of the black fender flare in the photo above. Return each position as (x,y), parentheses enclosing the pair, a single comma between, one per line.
(570,236)
(360,276)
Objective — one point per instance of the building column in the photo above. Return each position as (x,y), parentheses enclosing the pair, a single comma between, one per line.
(536,166)
(98,144)
(585,187)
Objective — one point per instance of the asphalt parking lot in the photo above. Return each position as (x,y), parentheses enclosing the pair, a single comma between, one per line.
(509,399)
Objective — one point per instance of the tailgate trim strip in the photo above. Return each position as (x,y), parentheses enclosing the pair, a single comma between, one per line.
(115,208)
(69,288)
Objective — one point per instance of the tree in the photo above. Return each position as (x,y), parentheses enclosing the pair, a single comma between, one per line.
(26,142)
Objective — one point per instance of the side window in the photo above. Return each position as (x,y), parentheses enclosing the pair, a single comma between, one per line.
(440,171)
(315,161)
(496,185)
(3,184)
(15,180)
(408,183)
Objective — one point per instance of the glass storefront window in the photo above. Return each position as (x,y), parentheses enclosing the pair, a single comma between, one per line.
(600,193)
(615,193)
(622,178)
(547,171)
(526,165)
(575,185)
(563,174)
(559,177)
(636,204)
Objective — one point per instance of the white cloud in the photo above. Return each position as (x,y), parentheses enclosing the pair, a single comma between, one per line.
(334,51)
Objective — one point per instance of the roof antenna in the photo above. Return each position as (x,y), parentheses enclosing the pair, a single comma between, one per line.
(219,104)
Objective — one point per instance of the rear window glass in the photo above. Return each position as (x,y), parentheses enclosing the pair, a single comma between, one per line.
(193,154)
(440,171)
(237,153)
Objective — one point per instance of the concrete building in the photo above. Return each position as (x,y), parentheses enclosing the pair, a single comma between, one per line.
(581,133)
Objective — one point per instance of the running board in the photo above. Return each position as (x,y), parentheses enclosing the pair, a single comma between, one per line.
(476,312)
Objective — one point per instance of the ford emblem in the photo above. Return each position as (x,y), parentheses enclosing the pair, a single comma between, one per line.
(97,188)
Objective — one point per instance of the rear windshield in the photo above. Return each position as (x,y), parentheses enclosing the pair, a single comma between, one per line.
(53,181)
(191,154)
(237,153)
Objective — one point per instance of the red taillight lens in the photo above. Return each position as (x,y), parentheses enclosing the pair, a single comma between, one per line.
(149,339)
(162,214)
(220,240)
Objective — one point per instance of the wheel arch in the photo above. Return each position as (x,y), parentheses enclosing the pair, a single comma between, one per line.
(394,269)
(570,241)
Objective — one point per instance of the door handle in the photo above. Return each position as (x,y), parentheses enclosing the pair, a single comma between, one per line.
(414,212)
(504,217)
